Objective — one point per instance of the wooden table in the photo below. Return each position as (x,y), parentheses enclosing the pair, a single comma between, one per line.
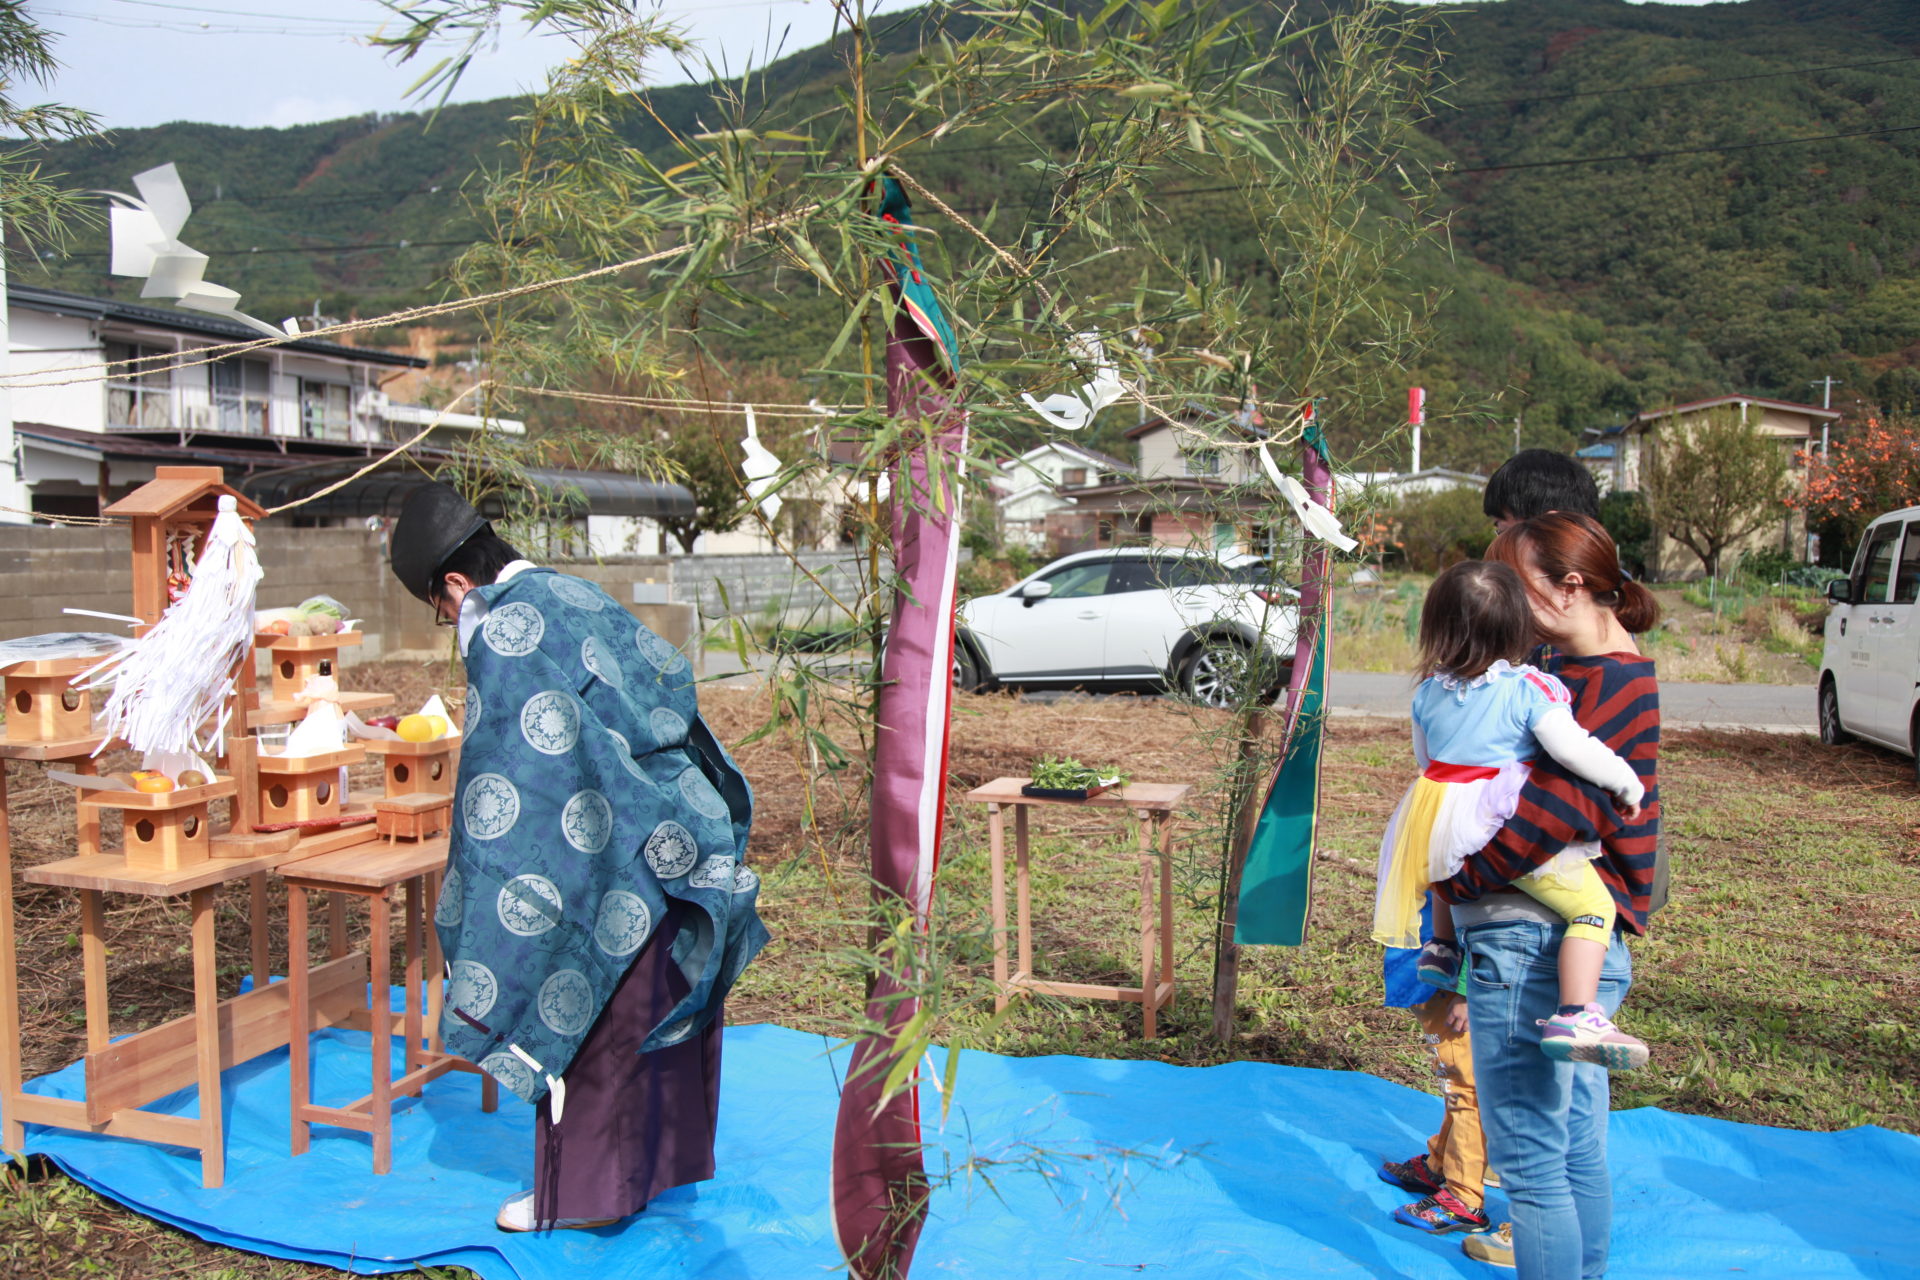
(372,871)
(1153,804)
(124,1075)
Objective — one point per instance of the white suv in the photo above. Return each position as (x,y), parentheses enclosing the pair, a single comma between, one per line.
(1158,615)
(1870,669)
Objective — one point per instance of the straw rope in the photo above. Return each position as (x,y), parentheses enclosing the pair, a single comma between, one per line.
(385,458)
(220,351)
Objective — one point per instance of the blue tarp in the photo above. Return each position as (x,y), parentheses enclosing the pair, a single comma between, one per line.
(1058,1166)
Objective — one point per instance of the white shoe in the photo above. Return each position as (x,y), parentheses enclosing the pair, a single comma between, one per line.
(516,1214)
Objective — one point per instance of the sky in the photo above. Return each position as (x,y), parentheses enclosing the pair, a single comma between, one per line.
(287,62)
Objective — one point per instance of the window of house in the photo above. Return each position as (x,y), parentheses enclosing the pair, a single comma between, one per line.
(1203,462)
(1074,477)
(142,396)
(326,410)
(242,396)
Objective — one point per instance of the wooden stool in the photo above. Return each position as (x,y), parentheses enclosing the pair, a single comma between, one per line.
(373,871)
(1152,804)
(413,817)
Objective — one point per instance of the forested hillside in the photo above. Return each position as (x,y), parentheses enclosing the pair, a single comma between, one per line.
(1626,227)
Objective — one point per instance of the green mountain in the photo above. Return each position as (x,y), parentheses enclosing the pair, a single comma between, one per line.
(1651,203)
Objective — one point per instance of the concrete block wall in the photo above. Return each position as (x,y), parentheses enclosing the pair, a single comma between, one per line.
(756,587)
(45,568)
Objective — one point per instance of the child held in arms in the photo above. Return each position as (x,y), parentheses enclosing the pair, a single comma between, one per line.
(1479,716)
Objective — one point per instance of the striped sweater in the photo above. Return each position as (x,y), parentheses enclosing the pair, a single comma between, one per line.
(1616,699)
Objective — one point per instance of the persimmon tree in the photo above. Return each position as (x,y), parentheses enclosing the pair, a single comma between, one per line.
(1865,474)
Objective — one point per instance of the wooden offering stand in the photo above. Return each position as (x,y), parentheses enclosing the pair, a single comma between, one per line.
(418,768)
(44,710)
(297,659)
(374,872)
(174,846)
(1152,805)
(420,778)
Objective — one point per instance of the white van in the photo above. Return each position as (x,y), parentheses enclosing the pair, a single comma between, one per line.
(1870,670)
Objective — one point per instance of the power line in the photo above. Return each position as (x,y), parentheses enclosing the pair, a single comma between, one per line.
(242,13)
(1675,84)
(1683,151)
(229,255)
(191,28)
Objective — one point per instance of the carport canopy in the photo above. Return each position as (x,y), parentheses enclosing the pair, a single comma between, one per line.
(381,493)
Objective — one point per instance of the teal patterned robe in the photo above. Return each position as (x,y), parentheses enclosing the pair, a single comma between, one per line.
(591,797)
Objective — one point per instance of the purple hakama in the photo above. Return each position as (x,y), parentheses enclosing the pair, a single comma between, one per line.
(633,1124)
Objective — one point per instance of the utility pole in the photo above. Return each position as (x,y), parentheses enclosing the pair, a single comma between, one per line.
(1826,386)
(14,493)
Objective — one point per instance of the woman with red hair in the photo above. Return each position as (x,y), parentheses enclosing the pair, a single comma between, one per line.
(1546,1120)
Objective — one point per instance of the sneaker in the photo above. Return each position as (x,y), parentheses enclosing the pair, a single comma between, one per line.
(1495,1248)
(1439,964)
(516,1214)
(1413,1175)
(1441,1213)
(1590,1036)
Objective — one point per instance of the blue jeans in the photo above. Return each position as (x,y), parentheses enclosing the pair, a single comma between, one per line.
(1546,1121)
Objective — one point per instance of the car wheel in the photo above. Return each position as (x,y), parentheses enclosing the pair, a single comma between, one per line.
(967,676)
(1216,672)
(1830,731)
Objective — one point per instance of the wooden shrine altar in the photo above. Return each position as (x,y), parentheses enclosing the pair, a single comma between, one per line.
(192,842)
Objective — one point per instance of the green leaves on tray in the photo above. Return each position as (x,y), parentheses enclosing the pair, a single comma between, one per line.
(1068,774)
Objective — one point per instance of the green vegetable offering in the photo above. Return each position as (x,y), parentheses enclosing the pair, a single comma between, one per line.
(1052,773)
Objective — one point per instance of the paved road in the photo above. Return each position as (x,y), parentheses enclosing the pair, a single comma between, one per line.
(1771,708)
(1774,708)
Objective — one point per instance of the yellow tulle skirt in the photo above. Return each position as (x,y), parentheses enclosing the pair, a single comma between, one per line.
(1404,877)
(1438,825)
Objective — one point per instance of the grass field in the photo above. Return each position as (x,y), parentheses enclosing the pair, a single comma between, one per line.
(1777,988)
(1712,632)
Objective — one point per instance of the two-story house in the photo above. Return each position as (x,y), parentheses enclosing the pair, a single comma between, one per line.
(1618,459)
(1188,490)
(283,422)
(1040,482)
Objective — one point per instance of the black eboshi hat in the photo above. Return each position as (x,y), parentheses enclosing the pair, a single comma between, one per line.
(434,521)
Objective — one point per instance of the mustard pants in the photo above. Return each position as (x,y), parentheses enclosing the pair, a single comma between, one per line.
(1458,1152)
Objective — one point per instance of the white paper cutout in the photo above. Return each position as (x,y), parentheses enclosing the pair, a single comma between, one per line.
(1313,517)
(761,467)
(146,242)
(1071,412)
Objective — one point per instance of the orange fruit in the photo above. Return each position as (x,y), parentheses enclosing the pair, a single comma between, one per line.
(415,729)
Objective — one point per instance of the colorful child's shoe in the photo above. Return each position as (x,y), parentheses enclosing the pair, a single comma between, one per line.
(1439,964)
(1414,1175)
(1495,1248)
(1441,1213)
(1590,1036)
